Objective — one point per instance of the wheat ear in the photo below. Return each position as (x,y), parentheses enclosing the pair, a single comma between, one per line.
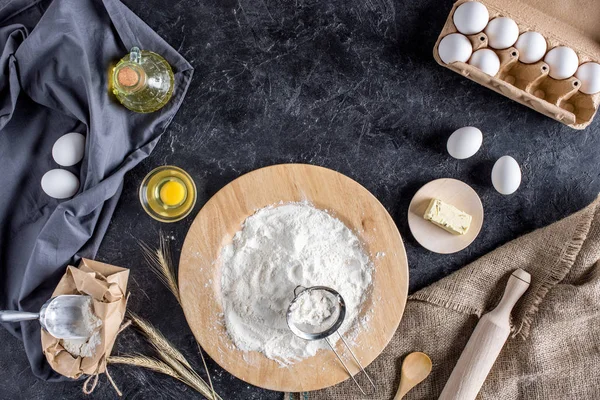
(151,363)
(173,358)
(161,265)
(160,343)
(184,376)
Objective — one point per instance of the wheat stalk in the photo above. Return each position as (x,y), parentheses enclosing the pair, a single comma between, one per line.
(172,358)
(176,371)
(190,376)
(161,264)
(206,369)
(160,343)
(145,362)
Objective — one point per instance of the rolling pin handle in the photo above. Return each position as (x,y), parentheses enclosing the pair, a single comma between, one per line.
(485,343)
(515,288)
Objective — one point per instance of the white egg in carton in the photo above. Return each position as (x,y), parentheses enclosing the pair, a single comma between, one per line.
(532,51)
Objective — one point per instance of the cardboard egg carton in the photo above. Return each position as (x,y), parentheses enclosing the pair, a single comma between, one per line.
(572,23)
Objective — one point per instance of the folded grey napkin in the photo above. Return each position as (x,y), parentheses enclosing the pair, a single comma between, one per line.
(54,57)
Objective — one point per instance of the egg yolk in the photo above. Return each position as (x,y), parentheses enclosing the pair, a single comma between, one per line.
(172,193)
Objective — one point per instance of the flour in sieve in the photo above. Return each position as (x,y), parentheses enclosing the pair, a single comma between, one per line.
(278,249)
(312,308)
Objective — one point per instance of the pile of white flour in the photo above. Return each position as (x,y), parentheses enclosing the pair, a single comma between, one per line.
(278,249)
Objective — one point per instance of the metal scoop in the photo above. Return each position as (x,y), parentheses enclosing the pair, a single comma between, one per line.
(327,327)
(62,316)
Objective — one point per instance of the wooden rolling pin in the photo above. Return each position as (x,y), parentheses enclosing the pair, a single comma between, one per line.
(485,343)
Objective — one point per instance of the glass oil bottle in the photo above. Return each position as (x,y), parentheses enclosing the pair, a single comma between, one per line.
(142,81)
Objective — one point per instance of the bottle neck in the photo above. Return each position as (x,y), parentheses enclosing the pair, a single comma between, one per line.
(130,78)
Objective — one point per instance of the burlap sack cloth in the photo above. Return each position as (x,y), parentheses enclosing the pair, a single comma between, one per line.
(555,350)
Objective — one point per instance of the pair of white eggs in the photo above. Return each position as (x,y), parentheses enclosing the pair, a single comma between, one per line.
(457,47)
(67,151)
(472,17)
(506,173)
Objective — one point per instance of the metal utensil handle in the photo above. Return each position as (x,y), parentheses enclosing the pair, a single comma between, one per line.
(346,367)
(358,362)
(16,316)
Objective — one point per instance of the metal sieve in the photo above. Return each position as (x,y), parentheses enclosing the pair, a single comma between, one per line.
(328,325)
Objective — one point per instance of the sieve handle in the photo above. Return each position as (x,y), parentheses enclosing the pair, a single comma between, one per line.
(299,289)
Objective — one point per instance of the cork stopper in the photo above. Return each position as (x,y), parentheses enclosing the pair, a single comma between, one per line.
(128,77)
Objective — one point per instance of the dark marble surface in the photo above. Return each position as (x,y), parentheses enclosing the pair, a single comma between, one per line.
(347,84)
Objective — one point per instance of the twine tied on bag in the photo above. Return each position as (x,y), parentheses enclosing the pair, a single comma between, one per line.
(95,376)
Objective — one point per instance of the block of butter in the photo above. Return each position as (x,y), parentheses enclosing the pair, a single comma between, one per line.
(448,217)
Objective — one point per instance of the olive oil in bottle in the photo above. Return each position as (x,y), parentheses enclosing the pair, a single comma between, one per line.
(168,194)
(142,81)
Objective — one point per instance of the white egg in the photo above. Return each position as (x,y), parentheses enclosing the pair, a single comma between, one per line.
(486,60)
(506,175)
(471,17)
(502,33)
(532,46)
(589,75)
(455,47)
(60,183)
(563,62)
(464,142)
(69,149)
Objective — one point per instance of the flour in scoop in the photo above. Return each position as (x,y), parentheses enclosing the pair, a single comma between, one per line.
(277,249)
(86,347)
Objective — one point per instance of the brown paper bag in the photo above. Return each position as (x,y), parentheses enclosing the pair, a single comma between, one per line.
(107,285)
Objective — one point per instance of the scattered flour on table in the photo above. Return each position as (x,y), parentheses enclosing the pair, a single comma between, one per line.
(277,249)
(85,347)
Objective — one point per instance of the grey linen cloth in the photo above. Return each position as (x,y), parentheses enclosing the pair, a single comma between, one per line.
(55,57)
(554,352)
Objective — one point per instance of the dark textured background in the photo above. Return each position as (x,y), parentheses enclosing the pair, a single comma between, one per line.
(347,84)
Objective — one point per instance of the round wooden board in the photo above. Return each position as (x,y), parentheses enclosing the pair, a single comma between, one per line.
(222,216)
(450,191)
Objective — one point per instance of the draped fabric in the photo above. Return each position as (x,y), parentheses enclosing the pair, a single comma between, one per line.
(55,57)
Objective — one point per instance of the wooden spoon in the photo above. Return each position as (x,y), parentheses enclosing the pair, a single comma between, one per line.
(415,368)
